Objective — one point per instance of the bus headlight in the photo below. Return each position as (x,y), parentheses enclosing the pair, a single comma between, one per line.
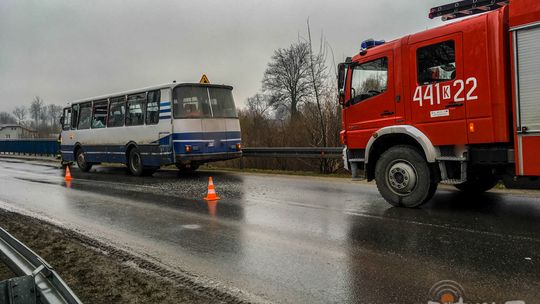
(238,146)
(188,148)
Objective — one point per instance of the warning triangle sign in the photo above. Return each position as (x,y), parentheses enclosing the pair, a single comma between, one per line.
(204,79)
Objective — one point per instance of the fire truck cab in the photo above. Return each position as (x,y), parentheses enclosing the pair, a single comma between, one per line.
(458,104)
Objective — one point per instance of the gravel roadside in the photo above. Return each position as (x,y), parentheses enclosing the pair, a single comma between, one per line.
(5,273)
(98,275)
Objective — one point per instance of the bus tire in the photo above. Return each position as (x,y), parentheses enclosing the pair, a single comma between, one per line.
(135,162)
(404,177)
(478,183)
(81,161)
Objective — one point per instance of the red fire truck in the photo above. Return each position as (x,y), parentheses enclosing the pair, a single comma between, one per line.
(458,104)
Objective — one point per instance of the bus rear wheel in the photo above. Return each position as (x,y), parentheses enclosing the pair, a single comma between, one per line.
(83,164)
(404,178)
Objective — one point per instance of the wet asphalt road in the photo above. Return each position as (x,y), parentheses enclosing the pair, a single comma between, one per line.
(293,239)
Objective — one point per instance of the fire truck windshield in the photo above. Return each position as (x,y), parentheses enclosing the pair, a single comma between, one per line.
(369,79)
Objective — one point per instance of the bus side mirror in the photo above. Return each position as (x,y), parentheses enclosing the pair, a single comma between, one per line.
(62,119)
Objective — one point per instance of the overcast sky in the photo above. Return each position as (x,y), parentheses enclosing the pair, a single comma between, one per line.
(67,50)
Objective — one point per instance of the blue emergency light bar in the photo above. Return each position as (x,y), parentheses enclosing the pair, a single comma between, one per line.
(367,44)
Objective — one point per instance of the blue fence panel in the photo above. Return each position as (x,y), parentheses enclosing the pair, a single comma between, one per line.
(29,146)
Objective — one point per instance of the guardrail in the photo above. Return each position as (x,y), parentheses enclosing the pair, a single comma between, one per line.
(50,147)
(293,152)
(42,146)
(37,279)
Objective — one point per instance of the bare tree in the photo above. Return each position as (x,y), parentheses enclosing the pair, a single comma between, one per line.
(36,110)
(258,105)
(318,77)
(286,77)
(20,113)
(43,116)
(6,118)
(53,113)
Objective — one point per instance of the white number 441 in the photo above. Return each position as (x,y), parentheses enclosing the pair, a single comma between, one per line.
(435,93)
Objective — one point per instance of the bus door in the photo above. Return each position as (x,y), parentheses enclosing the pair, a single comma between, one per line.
(165,146)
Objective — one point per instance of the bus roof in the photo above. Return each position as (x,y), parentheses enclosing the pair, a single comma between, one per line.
(151,88)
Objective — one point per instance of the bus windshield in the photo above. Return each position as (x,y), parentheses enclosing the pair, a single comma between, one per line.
(203,102)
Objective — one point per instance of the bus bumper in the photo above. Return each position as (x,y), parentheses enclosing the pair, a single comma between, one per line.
(207,157)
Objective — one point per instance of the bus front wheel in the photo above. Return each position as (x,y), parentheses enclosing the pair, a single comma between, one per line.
(83,164)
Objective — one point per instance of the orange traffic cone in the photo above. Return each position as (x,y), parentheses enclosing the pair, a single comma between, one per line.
(67,178)
(211,196)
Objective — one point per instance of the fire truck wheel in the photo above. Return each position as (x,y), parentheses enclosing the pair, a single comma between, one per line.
(478,183)
(404,177)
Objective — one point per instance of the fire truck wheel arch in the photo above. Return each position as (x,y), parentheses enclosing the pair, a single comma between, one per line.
(430,151)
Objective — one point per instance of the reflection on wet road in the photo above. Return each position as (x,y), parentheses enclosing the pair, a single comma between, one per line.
(296,239)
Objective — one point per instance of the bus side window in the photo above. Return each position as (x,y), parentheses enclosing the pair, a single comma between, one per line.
(74,116)
(100,114)
(117,111)
(152,107)
(85,116)
(136,106)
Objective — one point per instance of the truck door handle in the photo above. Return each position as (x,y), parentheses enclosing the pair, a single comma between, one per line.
(454,105)
(387,113)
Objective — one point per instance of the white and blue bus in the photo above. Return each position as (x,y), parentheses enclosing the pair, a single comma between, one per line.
(187,124)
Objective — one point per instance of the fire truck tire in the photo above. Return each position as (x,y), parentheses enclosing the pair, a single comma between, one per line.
(477,184)
(404,177)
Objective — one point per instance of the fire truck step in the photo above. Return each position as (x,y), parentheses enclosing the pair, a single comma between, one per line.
(452,181)
(451,158)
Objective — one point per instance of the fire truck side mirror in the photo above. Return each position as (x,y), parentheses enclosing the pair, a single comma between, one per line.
(342,73)
(341,76)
